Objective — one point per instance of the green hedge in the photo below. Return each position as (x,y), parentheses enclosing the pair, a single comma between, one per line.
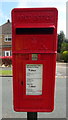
(64,56)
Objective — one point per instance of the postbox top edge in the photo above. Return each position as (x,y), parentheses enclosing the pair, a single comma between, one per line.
(34,9)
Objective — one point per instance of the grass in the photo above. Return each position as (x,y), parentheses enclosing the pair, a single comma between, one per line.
(6,72)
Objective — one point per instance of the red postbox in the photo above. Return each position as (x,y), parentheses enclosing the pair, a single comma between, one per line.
(34,48)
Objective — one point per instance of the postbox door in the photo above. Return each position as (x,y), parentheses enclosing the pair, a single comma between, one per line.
(29,96)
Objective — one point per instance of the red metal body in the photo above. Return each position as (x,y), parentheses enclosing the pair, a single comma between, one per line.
(34,48)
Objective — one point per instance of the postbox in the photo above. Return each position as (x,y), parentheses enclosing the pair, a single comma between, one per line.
(34,48)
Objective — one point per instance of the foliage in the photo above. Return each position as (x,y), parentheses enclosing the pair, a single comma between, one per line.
(64,47)
(66,40)
(64,56)
(61,38)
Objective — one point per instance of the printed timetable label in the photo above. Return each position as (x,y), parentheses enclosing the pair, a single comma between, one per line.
(34,79)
